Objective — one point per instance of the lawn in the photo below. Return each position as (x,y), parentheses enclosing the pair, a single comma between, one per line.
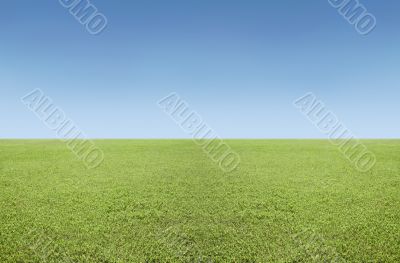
(167,201)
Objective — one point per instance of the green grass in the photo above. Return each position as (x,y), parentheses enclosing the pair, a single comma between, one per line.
(166,201)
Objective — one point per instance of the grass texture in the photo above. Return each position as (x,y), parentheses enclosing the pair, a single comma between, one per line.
(166,201)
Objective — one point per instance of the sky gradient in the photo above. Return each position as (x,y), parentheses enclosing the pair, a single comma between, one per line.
(239,64)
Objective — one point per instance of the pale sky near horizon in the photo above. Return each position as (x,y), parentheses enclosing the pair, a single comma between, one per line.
(239,64)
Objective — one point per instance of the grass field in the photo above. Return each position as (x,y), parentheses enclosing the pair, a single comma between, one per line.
(166,201)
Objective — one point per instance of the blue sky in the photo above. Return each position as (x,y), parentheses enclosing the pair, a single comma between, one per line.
(239,64)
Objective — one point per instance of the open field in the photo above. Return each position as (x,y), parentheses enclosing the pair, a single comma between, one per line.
(166,201)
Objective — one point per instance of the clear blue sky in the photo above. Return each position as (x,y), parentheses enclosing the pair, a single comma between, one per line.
(240,64)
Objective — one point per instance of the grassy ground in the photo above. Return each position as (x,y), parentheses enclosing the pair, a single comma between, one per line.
(166,201)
